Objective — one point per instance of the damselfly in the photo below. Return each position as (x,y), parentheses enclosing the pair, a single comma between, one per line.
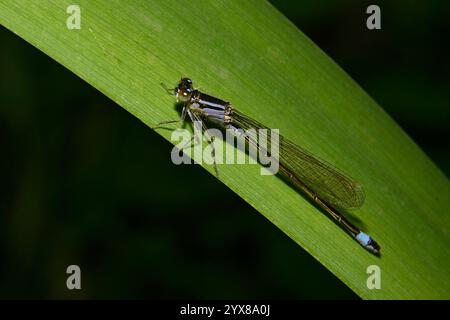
(329,188)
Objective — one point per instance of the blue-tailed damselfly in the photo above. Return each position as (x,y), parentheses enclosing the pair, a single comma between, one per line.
(327,186)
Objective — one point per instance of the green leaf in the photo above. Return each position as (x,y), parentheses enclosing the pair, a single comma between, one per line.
(246,52)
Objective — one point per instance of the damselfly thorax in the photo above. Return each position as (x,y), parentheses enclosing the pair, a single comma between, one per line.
(203,104)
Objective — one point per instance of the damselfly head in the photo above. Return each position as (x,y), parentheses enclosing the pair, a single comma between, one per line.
(183,90)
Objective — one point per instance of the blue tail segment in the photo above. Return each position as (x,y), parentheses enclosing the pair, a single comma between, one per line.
(367,242)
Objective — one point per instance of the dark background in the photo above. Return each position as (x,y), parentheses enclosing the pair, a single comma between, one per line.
(75,171)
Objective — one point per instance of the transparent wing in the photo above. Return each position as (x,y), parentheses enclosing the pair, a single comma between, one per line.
(326,181)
